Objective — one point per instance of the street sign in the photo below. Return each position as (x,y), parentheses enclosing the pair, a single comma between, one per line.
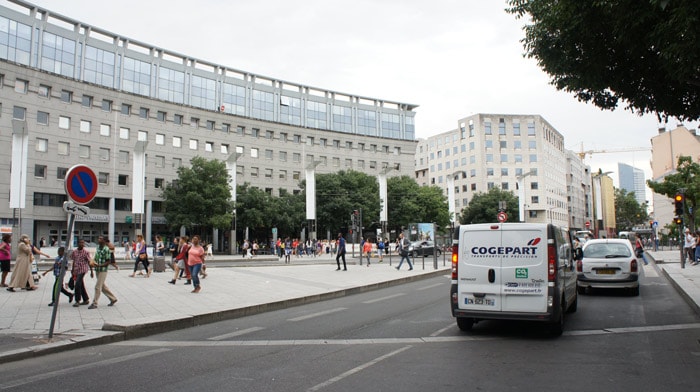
(75,209)
(81,184)
(502,216)
(588,224)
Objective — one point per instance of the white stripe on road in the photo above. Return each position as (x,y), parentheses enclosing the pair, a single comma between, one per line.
(76,369)
(371,301)
(310,316)
(650,272)
(356,369)
(651,328)
(236,333)
(431,286)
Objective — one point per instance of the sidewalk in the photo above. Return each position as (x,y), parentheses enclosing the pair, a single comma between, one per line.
(685,280)
(234,288)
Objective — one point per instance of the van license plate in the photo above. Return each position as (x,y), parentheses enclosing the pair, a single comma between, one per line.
(480,301)
(605,271)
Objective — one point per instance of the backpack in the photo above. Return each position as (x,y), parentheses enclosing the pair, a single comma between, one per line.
(380,245)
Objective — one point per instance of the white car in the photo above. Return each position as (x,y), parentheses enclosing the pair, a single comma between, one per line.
(608,263)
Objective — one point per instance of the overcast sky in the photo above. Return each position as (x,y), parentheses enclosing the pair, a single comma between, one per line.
(453,58)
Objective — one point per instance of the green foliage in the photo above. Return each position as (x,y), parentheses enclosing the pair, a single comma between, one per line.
(642,52)
(411,203)
(483,207)
(200,197)
(257,209)
(339,194)
(687,176)
(628,212)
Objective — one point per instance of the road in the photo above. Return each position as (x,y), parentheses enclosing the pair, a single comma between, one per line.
(397,339)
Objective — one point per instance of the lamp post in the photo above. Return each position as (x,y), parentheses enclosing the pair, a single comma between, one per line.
(521,194)
(310,174)
(383,211)
(231,163)
(138,183)
(18,175)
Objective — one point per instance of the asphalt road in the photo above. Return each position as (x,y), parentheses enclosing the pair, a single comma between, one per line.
(397,339)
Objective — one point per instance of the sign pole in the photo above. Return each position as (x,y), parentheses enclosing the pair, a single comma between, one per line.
(62,274)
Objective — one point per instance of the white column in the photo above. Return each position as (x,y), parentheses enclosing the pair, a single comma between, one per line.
(18,175)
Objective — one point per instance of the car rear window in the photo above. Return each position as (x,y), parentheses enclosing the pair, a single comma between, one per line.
(606,250)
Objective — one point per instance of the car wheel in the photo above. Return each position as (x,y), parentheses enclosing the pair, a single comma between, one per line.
(635,292)
(581,290)
(465,323)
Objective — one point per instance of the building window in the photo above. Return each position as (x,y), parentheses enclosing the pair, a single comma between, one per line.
(126,109)
(63,148)
(142,136)
(269,154)
(504,171)
(143,113)
(105,129)
(283,174)
(225,128)
(194,122)
(87,101)
(209,146)
(518,158)
(269,135)
(296,176)
(158,183)
(124,133)
(504,157)
(501,126)
(348,163)
(123,156)
(532,144)
(254,152)
(177,162)
(533,158)
(268,173)
(160,139)
(177,119)
(160,161)
(160,116)
(534,186)
(42,118)
(535,199)
(84,151)
(224,148)
(296,157)
(21,86)
(210,125)
(504,186)
(85,126)
(489,171)
(487,128)
(516,129)
(44,91)
(240,131)
(531,129)
(40,171)
(103,178)
(123,179)
(373,165)
(489,158)
(283,156)
(61,173)
(106,105)
(194,144)
(104,154)
(41,145)
(19,113)
(473,187)
(255,132)
(177,141)
(64,122)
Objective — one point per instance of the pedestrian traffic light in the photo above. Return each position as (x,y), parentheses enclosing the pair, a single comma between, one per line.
(679,200)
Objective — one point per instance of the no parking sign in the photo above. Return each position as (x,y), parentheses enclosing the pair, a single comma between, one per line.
(81,184)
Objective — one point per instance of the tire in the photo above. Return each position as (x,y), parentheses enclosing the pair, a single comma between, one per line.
(581,290)
(574,306)
(635,292)
(556,328)
(465,323)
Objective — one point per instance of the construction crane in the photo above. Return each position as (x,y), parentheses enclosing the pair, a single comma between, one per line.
(583,152)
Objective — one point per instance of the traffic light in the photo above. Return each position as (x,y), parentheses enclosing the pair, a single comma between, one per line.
(678,220)
(679,200)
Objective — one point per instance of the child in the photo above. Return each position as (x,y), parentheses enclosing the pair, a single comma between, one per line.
(56,272)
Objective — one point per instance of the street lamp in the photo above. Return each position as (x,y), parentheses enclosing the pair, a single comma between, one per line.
(521,193)
(231,163)
(598,200)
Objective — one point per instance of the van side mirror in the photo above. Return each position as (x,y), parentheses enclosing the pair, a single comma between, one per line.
(578,254)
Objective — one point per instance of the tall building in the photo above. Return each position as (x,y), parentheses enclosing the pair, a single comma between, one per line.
(75,93)
(632,180)
(500,150)
(580,192)
(666,148)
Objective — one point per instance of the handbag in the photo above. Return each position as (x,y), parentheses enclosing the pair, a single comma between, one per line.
(143,256)
(181,263)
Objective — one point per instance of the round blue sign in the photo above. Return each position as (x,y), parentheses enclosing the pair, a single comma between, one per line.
(81,184)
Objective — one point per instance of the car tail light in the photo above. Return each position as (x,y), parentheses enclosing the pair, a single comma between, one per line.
(455,260)
(551,263)
(579,266)
(633,265)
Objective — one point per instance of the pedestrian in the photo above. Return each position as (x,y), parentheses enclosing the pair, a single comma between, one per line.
(195,258)
(367,250)
(81,264)
(403,251)
(287,251)
(172,248)
(697,248)
(160,247)
(341,252)
(22,275)
(101,264)
(58,283)
(5,257)
(141,257)
(639,250)
(688,251)
(380,249)
(180,263)
(246,248)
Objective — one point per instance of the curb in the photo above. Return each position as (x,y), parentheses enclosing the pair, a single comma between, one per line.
(679,289)
(112,333)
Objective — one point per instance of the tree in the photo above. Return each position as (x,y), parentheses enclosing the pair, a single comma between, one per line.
(339,194)
(483,207)
(200,197)
(409,202)
(646,53)
(686,177)
(628,212)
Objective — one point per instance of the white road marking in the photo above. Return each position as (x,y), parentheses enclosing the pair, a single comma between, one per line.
(236,333)
(371,301)
(309,316)
(650,272)
(431,286)
(650,328)
(77,369)
(356,369)
(440,331)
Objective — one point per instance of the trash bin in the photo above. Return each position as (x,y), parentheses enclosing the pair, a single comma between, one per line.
(159,263)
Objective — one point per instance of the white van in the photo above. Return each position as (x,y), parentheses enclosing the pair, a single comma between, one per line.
(513,271)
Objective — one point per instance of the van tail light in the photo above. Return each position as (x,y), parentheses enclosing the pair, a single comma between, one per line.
(551,263)
(455,260)
(579,266)
(633,265)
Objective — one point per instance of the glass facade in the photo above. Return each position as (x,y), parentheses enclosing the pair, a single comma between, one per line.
(290,110)
(263,105)
(342,119)
(234,99)
(99,66)
(366,122)
(137,77)
(58,55)
(203,93)
(316,115)
(171,85)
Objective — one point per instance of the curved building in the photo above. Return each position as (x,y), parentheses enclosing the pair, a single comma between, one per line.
(74,93)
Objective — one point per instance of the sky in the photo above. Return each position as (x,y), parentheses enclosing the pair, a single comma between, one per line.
(452,58)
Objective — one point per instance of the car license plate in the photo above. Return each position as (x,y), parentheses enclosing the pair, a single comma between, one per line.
(605,271)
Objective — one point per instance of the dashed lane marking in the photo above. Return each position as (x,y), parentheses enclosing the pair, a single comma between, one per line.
(371,301)
(236,333)
(431,286)
(319,314)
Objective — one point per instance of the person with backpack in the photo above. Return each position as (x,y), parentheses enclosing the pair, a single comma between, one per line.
(380,249)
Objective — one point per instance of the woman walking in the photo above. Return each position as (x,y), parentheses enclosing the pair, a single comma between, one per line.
(181,260)
(141,257)
(22,275)
(5,257)
(195,258)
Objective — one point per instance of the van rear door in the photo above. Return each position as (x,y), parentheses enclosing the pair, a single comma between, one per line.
(478,272)
(524,268)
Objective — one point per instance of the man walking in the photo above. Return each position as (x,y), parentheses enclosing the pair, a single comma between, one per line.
(81,264)
(101,264)
(403,250)
(341,252)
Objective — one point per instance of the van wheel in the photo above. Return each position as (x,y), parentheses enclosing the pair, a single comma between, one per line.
(557,327)
(574,306)
(465,324)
